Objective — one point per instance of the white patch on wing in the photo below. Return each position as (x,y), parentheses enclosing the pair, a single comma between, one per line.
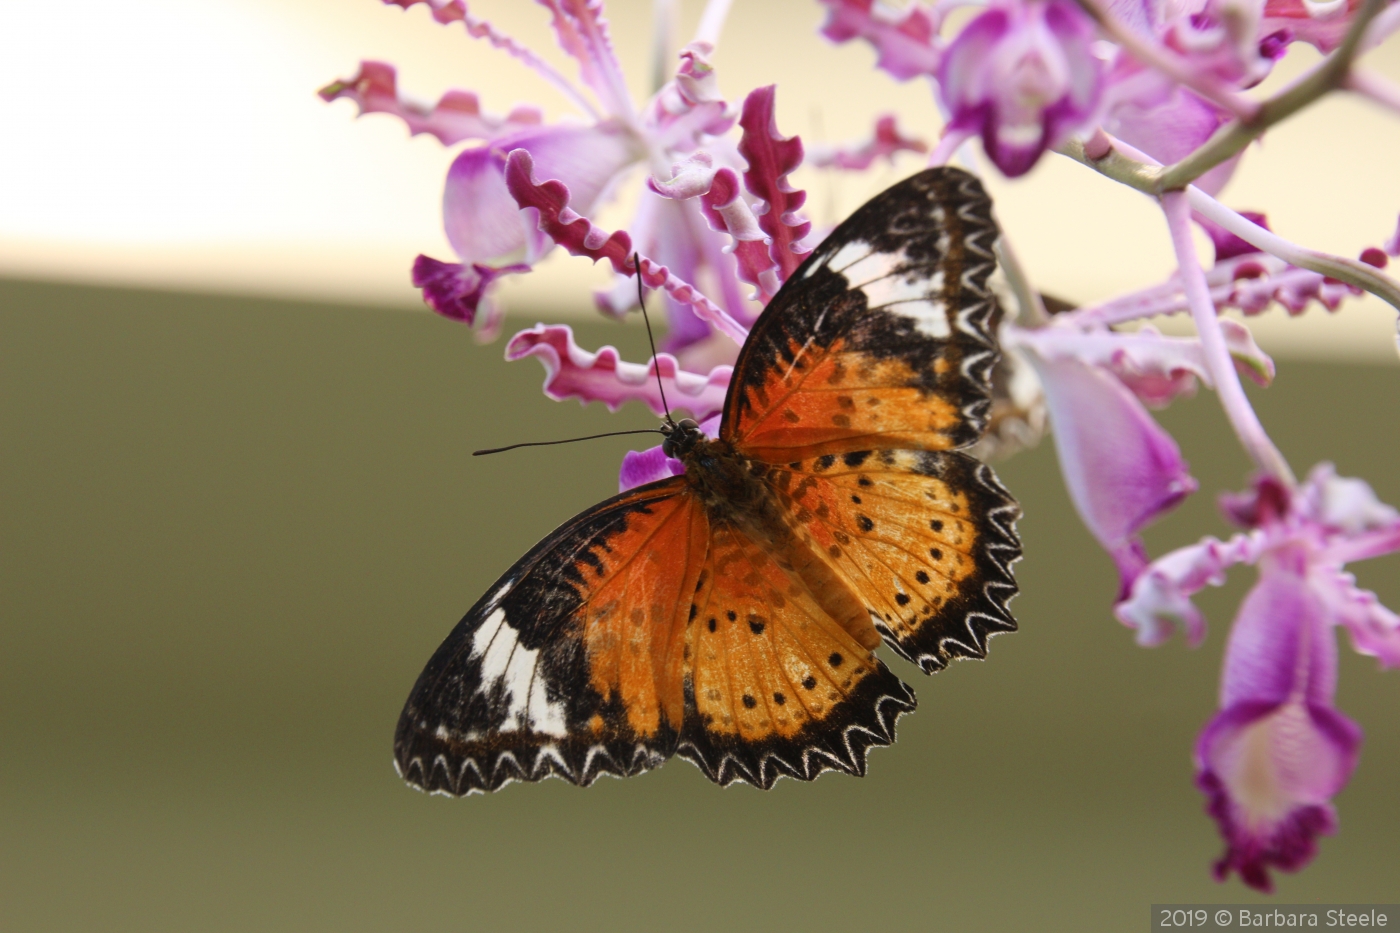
(545,716)
(864,269)
(504,662)
(493,643)
(931,317)
(899,287)
(852,251)
(500,593)
(520,672)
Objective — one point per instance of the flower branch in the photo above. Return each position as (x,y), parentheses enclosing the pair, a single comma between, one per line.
(1328,75)
(1374,88)
(1351,271)
(1124,164)
(1217,355)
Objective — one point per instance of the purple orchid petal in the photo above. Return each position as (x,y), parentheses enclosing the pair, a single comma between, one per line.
(1392,245)
(906,40)
(676,235)
(1168,128)
(456,290)
(884,144)
(1318,24)
(1227,245)
(1346,504)
(550,202)
(1160,599)
(682,241)
(572,372)
(455,11)
(640,467)
(484,222)
(1272,759)
(770,157)
(1023,75)
(1121,468)
(583,33)
(455,117)
(690,108)
(1158,369)
(648,466)
(727,211)
(1374,629)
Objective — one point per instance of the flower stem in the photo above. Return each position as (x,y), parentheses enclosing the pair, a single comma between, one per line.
(712,21)
(663,40)
(1128,166)
(1240,413)
(1351,271)
(1327,75)
(1030,308)
(1374,88)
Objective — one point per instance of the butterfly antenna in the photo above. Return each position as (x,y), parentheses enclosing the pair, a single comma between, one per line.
(496,450)
(642,301)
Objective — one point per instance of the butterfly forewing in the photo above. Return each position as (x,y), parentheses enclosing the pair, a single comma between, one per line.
(883,337)
(776,686)
(571,664)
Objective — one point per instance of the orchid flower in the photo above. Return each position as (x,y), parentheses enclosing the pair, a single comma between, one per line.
(1143,92)
(486,227)
(1277,752)
(1025,75)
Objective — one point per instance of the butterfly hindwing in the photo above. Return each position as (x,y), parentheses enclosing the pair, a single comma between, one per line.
(776,687)
(926,540)
(883,337)
(571,665)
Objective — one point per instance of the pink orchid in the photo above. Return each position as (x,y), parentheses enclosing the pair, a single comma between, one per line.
(1122,470)
(767,244)
(1026,75)
(1023,76)
(486,227)
(1277,752)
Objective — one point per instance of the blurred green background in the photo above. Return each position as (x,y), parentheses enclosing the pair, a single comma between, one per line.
(234,530)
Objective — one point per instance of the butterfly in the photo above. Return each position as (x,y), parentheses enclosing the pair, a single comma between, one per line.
(729,615)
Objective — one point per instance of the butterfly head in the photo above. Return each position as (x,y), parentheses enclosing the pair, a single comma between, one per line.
(680,437)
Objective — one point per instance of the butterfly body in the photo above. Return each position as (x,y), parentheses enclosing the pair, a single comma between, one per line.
(741,493)
(729,615)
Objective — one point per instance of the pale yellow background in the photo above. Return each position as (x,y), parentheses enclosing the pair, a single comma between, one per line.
(181,145)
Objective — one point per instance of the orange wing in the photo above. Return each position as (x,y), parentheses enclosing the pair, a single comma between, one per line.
(925,539)
(572,664)
(883,337)
(775,687)
(884,341)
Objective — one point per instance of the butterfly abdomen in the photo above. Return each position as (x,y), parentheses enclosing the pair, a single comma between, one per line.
(740,492)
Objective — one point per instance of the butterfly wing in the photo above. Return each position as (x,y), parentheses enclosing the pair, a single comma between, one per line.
(925,538)
(882,338)
(571,665)
(860,379)
(775,686)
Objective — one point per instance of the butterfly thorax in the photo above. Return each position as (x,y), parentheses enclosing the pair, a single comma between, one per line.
(737,492)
